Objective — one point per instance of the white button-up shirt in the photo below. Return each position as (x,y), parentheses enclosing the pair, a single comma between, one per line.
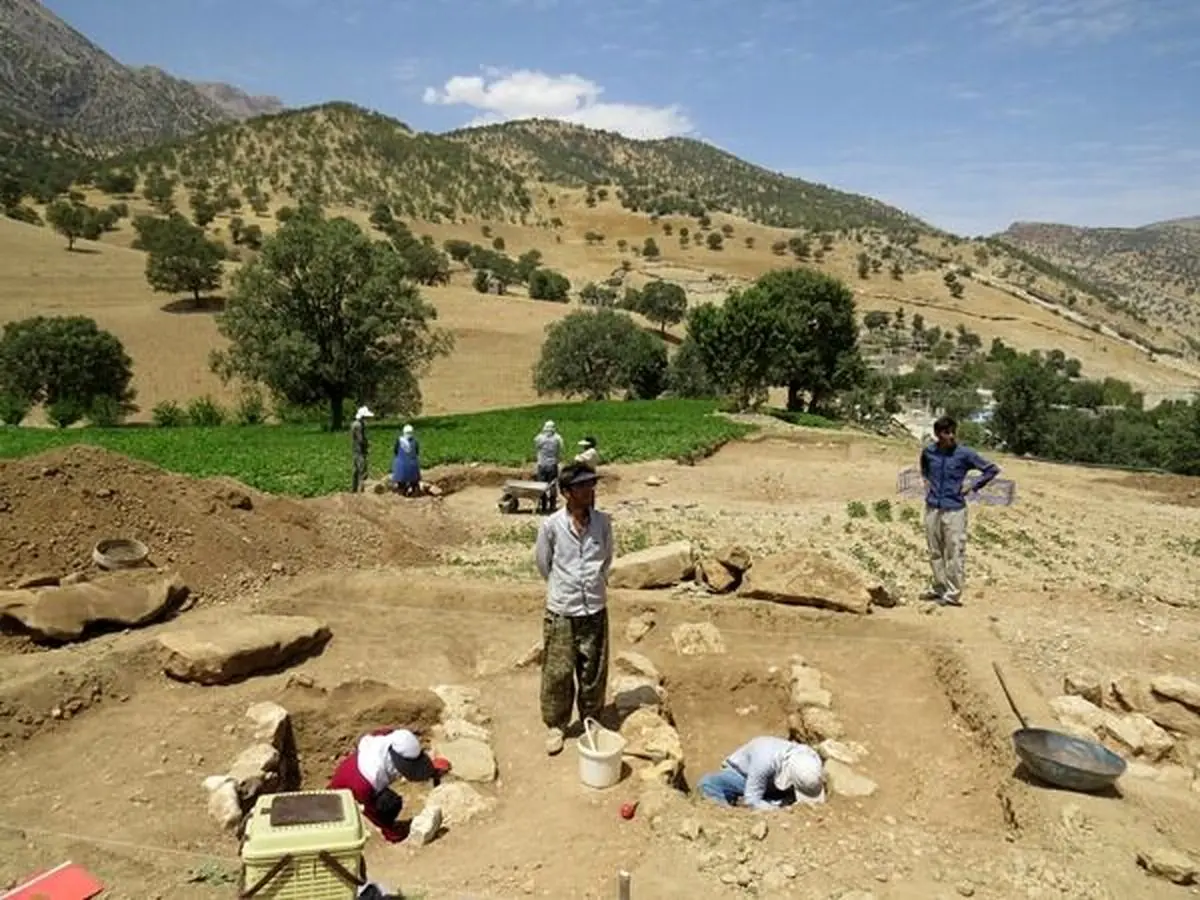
(575,566)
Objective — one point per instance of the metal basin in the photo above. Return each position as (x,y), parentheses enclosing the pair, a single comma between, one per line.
(1066,761)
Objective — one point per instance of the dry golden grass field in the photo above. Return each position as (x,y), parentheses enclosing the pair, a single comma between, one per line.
(498,338)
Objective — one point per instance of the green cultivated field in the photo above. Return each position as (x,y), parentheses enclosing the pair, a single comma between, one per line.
(306,461)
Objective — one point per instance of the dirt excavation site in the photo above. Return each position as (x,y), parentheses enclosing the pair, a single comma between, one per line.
(771,589)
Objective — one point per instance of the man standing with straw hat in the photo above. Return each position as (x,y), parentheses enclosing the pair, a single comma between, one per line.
(359,446)
(574,552)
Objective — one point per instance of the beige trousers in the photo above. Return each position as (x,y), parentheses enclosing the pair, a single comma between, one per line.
(946,535)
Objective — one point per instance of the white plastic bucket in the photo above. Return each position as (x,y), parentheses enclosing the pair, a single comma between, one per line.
(599,755)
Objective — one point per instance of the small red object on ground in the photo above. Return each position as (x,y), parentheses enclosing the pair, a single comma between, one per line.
(441,764)
(64,882)
(628,810)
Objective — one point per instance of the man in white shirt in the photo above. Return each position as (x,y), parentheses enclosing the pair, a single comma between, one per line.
(574,553)
(588,455)
(767,773)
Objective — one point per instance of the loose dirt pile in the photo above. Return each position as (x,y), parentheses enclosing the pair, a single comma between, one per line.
(220,535)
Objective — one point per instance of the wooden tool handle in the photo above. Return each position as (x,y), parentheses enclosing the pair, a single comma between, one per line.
(1008,695)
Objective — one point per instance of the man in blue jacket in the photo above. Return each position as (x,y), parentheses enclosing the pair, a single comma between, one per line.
(945,465)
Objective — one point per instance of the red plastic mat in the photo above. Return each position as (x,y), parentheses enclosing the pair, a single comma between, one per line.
(65,882)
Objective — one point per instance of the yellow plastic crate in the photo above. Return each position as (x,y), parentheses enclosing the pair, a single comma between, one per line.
(296,841)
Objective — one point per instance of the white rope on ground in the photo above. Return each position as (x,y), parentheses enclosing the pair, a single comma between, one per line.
(112,842)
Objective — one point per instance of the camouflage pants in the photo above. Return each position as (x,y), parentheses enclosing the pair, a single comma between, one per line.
(359,478)
(575,652)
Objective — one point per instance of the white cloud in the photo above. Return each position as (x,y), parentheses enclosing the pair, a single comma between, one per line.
(499,96)
(1070,22)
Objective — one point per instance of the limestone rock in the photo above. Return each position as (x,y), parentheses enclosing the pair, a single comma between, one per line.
(716,576)
(655,567)
(846,752)
(735,557)
(1175,867)
(806,578)
(453,729)
(697,638)
(630,663)
(224,805)
(271,723)
(470,759)
(459,802)
(845,782)
(632,692)
(1135,693)
(805,688)
(647,732)
(820,725)
(1086,684)
(254,772)
(1139,735)
(461,702)
(1078,715)
(239,646)
(425,826)
(129,599)
(639,626)
(1181,690)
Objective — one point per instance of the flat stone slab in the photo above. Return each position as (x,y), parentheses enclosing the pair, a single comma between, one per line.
(63,613)
(806,578)
(654,567)
(239,647)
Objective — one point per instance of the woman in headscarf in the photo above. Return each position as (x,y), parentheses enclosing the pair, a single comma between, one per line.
(406,464)
(380,758)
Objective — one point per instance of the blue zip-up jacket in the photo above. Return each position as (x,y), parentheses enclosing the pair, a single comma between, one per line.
(946,471)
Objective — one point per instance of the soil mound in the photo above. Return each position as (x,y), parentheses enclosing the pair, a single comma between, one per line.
(220,535)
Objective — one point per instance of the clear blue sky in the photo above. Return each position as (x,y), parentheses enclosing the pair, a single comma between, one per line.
(969,113)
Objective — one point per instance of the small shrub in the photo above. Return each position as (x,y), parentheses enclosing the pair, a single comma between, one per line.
(882,510)
(251,408)
(65,412)
(856,509)
(909,514)
(106,412)
(205,412)
(13,409)
(168,414)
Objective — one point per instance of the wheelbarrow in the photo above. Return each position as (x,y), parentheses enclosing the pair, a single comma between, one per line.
(1059,759)
(514,491)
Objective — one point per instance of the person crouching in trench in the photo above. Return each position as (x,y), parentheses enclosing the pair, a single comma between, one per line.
(380,758)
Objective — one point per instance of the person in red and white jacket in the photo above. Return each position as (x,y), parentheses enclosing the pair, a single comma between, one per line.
(380,758)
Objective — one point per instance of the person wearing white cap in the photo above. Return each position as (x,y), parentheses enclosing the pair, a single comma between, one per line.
(359,447)
(406,462)
(548,444)
(767,773)
(381,758)
(588,455)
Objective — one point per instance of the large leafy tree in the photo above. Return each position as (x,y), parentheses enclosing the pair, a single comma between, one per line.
(180,258)
(1025,395)
(792,327)
(74,221)
(66,362)
(325,314)
(594,354)
(664,303)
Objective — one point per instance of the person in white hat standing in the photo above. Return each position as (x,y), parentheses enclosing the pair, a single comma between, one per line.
(359,447)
